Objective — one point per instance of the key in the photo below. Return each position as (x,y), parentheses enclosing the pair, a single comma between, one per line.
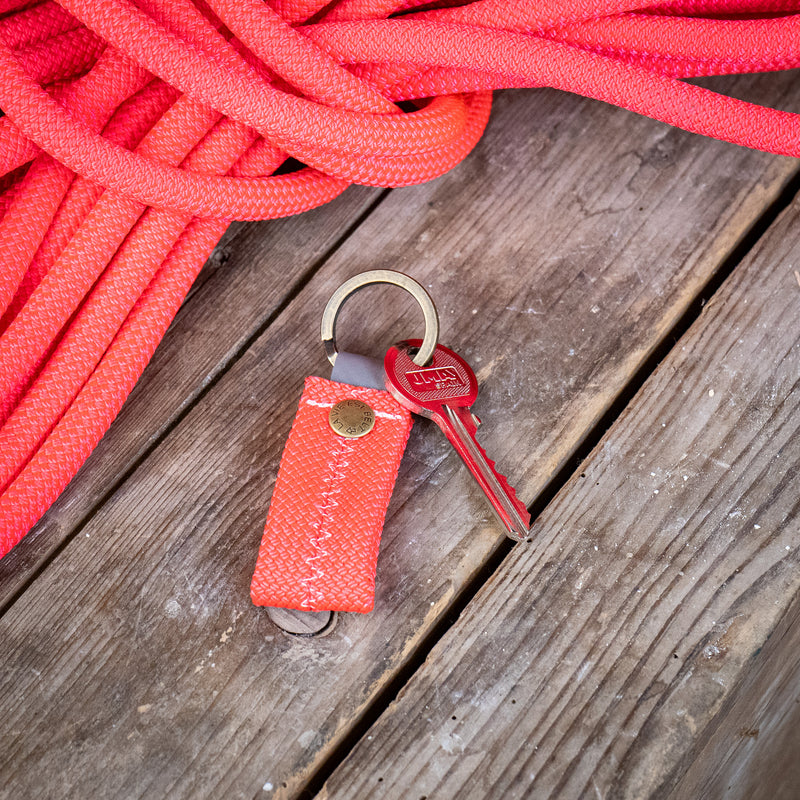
(444,390)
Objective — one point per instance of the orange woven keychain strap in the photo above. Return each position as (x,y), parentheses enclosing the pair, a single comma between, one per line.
(320,543)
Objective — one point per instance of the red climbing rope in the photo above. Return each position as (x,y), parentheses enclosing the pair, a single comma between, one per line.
(135,130)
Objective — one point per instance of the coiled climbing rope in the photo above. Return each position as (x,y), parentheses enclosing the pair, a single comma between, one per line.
(136,130)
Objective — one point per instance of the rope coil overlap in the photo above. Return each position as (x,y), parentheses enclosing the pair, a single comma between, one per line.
(136,130)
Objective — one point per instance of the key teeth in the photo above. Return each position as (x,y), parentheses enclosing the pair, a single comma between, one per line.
(511,491)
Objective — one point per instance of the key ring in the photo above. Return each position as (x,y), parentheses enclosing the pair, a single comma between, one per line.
(358,282)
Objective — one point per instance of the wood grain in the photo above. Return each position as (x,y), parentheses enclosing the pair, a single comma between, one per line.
(751,753)
(237,292)
(601,655)
(559,254)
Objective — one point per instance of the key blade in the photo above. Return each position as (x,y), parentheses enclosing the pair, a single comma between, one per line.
(459,425)
(443,390)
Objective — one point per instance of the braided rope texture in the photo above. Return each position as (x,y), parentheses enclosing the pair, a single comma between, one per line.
(320,545)
(134,131)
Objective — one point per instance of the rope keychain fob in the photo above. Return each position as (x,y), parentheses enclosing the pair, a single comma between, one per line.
(320,544)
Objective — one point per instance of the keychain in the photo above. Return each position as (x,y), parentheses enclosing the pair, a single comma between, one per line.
(320,544)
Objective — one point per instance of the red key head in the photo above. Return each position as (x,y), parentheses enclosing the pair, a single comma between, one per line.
(446,381)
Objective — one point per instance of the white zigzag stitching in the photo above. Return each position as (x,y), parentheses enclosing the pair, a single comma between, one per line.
(329,504)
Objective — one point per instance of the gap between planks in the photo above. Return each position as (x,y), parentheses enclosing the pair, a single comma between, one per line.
(669,343)
(607,751)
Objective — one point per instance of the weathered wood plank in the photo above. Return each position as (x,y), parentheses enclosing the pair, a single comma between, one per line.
(752,753)
(248,277)
(599,657)
(138,641)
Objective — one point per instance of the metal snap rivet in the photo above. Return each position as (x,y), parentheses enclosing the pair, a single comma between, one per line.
(351,418)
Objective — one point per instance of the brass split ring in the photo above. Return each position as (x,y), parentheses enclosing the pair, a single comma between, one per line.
(358,282)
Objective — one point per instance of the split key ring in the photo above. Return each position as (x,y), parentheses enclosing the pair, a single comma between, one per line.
(358,282)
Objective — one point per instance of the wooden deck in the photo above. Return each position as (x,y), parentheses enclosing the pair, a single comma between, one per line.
(629,296)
